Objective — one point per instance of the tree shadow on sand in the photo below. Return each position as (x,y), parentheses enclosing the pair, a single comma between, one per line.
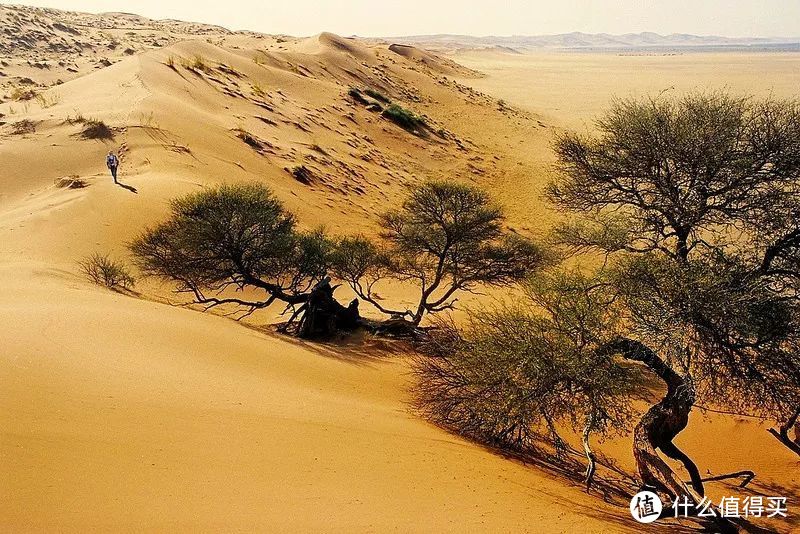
(359,348)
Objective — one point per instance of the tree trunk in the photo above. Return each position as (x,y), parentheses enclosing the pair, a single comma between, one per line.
(324,316)
(662,422)
(591,465)
(782,434)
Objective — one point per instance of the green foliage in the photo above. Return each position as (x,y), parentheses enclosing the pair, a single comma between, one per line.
(404,118)
(515,371)
(377,95)
(446,238)
(234,236)
(356,95)
(696,199)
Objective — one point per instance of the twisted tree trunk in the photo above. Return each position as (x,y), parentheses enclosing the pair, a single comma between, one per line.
(782,434)
(323,316)
(661,424)
(591,464)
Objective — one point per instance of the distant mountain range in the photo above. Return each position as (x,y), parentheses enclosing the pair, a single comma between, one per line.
(579,40)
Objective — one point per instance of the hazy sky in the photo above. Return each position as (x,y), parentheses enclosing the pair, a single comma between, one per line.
(733,18)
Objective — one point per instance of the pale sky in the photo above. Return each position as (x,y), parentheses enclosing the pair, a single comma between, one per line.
(731,18)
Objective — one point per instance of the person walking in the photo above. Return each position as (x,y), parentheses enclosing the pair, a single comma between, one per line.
(112,162)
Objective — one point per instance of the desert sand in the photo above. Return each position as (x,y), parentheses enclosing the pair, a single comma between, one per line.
(128,413)
(573,87)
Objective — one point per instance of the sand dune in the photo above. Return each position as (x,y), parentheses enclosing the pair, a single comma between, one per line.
(120,413)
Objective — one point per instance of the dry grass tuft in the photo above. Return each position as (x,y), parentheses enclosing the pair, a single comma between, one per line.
(96,129)
(25,126)
(71,182)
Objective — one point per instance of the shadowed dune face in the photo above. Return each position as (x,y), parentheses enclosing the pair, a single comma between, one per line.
(125,414)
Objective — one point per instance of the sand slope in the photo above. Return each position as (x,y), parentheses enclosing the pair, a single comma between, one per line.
(126,414)
(121,414)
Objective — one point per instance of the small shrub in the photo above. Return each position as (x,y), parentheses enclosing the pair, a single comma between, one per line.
(77,119)
(47,101)
(356,95)
(249,139)
(259,91)
(196,64)
(171,62)
(21,94)
(104,271)
(404,118)
(302,174)
(96,129)
(230,71)
(22,127)
(377,95)
(71,182)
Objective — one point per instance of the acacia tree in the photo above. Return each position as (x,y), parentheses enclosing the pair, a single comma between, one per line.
(695,200)
(221,241)
(517,371)
(446,238)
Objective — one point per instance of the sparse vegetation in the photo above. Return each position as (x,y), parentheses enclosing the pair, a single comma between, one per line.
(171,62)
(102,270)
(24,126)
(47,101)
(406,119)
(250,140)
(258,90)
(195,64)
(71,182)
(96,129)
(517,372)
(357,95)
(238,237)
(302,174)
(22,94)
(377,95)
(446,238)
(77,119)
